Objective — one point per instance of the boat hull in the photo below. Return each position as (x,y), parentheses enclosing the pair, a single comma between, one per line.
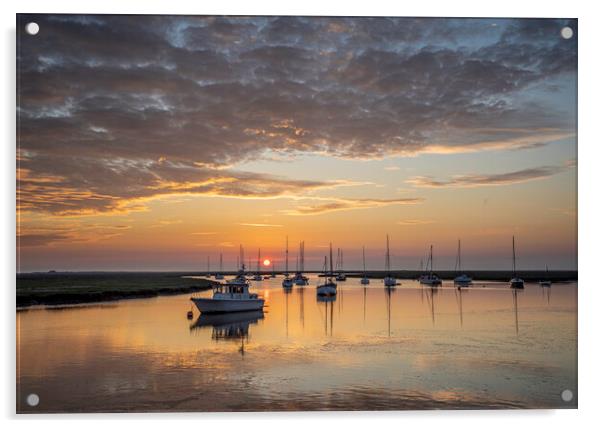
(326,290)
(365,281)
(463,281)
(208,305)
(517,283)
(390,282)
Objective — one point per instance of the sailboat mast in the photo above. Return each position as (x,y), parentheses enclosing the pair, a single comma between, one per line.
(513,258)
(459,257)
(364,259)
(208,264)
(286,269)
(331,259)
(431,260)
(258,258)
(388,257)
(221,262)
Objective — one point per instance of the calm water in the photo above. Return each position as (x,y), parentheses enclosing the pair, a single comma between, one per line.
(413,348)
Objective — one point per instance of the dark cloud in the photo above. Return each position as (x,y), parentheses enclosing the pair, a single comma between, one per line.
(102,98)
(351,204)
(477,180)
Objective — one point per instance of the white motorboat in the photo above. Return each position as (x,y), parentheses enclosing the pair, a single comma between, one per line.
(233,296)
(515,281)
(389,280)
(430,278)
(364,280)
(461,280)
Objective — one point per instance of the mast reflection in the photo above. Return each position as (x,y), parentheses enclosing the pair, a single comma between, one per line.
(329,311)
(388,292)
(515,306)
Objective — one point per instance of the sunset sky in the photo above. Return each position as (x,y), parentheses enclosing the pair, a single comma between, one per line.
(152,142)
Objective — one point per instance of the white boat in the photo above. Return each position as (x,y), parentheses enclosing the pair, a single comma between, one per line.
(365,280)
(515,281)
(341,274)
(329,288)
(233,296)
(546,282)
(287,282)
(389,280)
(220,275)
(430,278)
(461,280)
(258,276)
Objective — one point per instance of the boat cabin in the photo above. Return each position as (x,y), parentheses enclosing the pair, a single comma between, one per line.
(233,291)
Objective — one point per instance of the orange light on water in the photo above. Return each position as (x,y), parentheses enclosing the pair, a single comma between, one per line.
(267,262)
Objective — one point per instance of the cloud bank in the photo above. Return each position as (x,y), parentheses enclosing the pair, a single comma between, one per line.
(113,110)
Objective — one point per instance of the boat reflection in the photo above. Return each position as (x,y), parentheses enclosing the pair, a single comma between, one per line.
(388,292)
(546,293)
(328,311)
(430,293)
(515,306)
(230,326)
(301,293)
(458,292)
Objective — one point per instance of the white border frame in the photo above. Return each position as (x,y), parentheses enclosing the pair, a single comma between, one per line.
(588,190)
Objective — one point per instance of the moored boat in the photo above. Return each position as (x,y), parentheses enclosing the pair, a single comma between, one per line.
(364,280)
(389,280)
(329,288)
(233,296)
(287,282)
(461,280)
(546,282)
(515,281)
(430,278)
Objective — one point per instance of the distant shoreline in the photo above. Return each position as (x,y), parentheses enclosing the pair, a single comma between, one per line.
(70,288)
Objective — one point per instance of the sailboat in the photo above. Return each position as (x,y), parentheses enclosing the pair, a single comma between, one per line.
(208,274)
(273,275)
(462,280)
(341,273)
(430,278)
(389,280)
(329,288)
(287,282)
(257,276)
(546,282)
(365,280)
(301,279)
(220,275)
(515,282)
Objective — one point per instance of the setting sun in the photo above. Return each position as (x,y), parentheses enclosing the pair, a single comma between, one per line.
(267,262)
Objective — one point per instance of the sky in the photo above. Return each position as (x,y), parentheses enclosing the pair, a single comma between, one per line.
(155,142)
